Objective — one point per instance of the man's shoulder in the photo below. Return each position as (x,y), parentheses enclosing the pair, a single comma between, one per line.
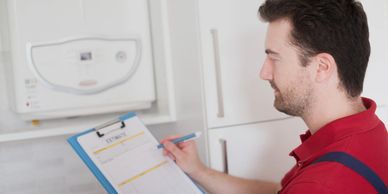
(329,177)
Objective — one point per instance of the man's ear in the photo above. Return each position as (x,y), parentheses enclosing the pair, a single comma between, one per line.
(326,67)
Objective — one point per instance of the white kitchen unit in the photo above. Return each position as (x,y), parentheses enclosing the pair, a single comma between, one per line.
(232,38)
(257,151)
(243,132)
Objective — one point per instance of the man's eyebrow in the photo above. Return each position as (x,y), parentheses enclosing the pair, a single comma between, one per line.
(269,51)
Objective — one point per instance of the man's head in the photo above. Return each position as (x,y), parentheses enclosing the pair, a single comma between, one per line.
(311,44)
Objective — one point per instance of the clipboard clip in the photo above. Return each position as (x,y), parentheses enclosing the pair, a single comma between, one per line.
(108,124)
(121,120)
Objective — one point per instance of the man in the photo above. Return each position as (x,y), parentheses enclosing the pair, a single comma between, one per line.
(317,55)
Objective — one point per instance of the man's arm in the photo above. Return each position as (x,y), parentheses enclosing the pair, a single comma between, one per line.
(217,182)
(186,156)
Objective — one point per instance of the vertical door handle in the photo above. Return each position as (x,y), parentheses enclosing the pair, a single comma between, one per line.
(224,149)
(216,50)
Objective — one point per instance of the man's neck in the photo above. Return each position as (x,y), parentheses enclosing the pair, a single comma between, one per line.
(327,111)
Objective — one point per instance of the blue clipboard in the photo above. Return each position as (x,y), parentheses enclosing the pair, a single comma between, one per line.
(73,141)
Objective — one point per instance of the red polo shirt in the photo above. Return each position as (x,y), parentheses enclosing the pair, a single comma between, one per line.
(362,135)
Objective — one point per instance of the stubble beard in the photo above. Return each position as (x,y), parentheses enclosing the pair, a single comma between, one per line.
(292,101)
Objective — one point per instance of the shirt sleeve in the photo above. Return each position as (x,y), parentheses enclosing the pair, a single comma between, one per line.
(307,187)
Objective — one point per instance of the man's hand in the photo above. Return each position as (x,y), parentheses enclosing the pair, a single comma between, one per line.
(185,155)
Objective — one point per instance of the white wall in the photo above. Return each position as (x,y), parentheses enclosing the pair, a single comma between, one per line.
(376,76)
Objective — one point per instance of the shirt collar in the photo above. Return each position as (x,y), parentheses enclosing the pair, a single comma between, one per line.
(337,130)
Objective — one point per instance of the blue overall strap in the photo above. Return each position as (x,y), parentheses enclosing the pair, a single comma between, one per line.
(357,166)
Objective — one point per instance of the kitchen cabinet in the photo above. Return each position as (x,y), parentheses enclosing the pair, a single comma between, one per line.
(232,40)
(256,151)
(247,136)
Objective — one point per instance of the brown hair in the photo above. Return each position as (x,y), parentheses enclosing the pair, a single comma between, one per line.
(337,27)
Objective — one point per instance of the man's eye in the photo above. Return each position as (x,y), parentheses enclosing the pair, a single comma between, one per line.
(274,60)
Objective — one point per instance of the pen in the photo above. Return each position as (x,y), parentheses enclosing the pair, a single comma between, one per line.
(188,137)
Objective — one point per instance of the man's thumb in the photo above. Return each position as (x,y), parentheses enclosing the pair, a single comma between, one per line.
(173,149)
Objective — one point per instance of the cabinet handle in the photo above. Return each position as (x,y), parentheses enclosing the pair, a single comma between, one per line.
(216,49)
(224,148)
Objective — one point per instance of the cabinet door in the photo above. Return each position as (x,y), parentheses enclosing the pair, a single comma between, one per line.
(258,151)
(232,38)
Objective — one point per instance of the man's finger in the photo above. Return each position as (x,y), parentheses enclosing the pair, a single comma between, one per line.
(171,156)
(173,149)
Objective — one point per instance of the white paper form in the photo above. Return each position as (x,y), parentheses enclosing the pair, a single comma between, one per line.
(130,160)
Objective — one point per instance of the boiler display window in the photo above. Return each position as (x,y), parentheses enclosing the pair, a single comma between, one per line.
(86,56)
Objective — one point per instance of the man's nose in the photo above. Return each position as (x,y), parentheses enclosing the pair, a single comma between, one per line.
(266,71)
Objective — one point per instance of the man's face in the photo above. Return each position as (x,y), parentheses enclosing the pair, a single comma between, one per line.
(282,68)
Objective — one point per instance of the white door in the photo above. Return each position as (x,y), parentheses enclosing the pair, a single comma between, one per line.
(258,151)
(232,38)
